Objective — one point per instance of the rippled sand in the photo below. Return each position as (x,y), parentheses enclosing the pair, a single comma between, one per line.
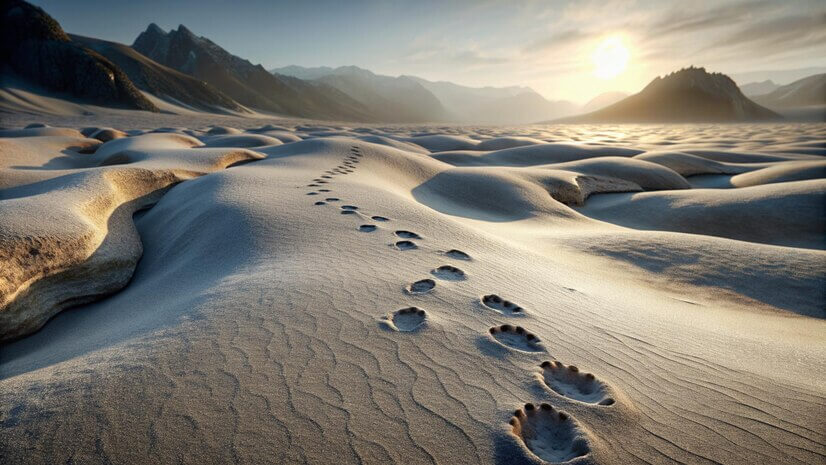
(306,292)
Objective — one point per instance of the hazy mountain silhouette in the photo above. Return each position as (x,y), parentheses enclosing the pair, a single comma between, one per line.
(414,99)
(804,92)
(159,80)
(249,84)
(496,105)
(389,99)
(758,88)
(687,95)
(37,50)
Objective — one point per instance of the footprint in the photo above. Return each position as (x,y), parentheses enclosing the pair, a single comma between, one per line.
(405,245)
(348,212)
(349,207)
(516,337)
(320,203)
(312,193)
(421,286)
(312,185)
(568,381)
(407,319)
(449,273)
(549,434)
(407,235)
(327,177)
(380,218)
(367,228)
(457,254)
(324,190)
(332,199)
(501,305)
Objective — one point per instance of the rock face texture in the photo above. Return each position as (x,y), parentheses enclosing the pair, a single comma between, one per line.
(161,80)
(687,95)
(36,48)
(249,84)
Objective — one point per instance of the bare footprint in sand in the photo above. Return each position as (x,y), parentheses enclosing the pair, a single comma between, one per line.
(349,207)
(332,199)
(501,305)
(324,190)
(407,319)
(568,381)
(320,203)
(449,273)
(405,245)
(348,212)
(407,235)
(367,228)
(516,337)
(312,193)
(457,254)
(380,218)
(549,434)
(421,286)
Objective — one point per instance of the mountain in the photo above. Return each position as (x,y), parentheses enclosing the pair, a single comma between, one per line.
(159,80)
(758,88)
(603,100)
(687,95)
(495,105)
(251,85)
(413,99)
(36,49)
(777,75)
(809,91)
(390,99)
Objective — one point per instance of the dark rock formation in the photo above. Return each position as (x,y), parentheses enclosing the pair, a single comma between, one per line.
(34,46)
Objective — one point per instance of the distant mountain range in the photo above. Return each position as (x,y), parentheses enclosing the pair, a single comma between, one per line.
(248,84)
(190,71)
(809,91)
(422,100)
(687,95)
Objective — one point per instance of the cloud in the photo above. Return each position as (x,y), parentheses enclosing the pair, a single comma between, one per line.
(684,20)
(792,34)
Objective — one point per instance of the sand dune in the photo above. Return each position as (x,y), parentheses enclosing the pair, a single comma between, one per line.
(338,294)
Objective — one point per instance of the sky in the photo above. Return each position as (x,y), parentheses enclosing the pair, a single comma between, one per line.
(546,45)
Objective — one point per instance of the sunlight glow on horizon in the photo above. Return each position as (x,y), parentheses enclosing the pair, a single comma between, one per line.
(610,58)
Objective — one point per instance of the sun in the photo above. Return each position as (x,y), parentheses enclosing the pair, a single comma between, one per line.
(610,58)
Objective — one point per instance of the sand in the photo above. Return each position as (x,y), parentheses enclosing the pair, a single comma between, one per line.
(325,293)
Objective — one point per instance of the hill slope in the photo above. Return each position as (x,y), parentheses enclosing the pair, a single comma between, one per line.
(391,99)
(37,49)
(161,80)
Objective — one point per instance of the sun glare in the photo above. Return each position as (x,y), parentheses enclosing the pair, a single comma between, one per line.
(610,58)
